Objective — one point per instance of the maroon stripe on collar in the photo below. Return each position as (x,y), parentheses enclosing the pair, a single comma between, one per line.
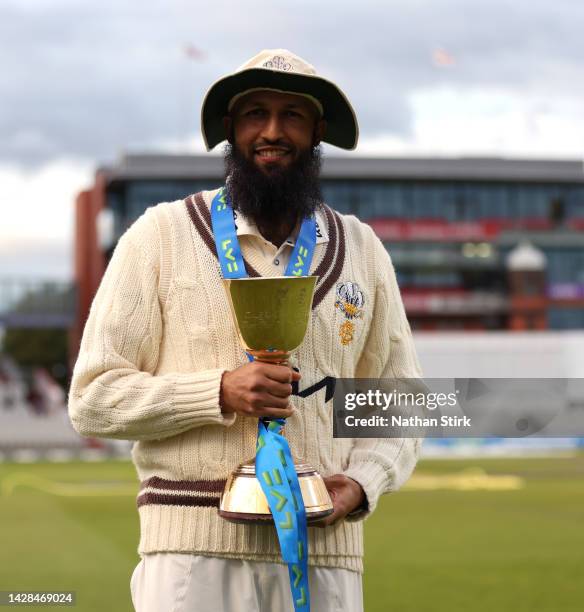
(334,221)
(198,486)
(198,222)
(205,212)
(201,217)
(324,268)
(149,499)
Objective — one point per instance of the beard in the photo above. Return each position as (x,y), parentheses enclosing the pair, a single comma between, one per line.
(277,199)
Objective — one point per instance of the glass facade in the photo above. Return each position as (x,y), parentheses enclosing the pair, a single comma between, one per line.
(129,199)
(565,265)
(445,265)
(453,201)
(369,199)
(566,318)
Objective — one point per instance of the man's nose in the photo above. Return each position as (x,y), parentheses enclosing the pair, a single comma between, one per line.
(272,129)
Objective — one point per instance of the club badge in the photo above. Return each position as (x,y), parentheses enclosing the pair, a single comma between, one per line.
(350,302)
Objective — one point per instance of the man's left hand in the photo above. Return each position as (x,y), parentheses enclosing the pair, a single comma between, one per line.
(346,495)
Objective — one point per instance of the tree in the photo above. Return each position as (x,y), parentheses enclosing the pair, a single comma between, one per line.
(33,338)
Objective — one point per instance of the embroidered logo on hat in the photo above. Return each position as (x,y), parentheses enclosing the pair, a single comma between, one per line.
(278,63)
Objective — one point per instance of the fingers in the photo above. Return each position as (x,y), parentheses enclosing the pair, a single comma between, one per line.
(259,410)
(280,373)
(277,389)
(277,385)
(340,493)
(261,401)
(296,375)
(258,389)
(331,519)
(277,413)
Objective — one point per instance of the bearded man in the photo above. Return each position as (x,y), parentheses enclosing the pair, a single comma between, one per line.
(161,363)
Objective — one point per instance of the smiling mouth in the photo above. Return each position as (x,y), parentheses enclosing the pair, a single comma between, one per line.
(269,154)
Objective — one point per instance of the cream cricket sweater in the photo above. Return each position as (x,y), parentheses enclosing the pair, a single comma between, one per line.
(158,338)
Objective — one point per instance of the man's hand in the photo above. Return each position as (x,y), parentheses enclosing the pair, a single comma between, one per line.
(258,390)
(346,495)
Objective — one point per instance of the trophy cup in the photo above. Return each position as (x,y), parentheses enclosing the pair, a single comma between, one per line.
(271,316)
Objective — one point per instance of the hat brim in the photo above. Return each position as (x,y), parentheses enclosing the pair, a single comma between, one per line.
(341,130)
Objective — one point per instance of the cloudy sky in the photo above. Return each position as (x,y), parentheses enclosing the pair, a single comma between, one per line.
(83,81)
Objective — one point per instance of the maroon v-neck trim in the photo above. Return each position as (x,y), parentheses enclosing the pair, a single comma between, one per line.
(201,217)
(329,269)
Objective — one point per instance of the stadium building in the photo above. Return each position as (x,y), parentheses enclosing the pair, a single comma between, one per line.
(478,244)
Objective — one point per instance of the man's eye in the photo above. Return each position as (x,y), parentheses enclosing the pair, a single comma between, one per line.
(254,112)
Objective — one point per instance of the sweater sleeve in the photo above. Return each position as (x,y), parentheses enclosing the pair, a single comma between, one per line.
(115,392)
(385,464)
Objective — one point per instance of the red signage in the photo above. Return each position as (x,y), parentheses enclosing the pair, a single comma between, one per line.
(459,231)
(435,229)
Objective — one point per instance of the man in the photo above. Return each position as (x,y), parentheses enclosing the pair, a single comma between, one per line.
(160,361)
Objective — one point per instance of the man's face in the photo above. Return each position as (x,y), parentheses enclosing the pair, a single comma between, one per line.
(272,129)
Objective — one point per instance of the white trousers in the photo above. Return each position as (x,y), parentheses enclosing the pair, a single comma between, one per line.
(177,582)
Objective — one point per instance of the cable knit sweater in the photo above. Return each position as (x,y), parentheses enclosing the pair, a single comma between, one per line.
(160,335)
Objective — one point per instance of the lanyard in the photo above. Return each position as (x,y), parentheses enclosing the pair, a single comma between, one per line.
(274,465)
(229,252)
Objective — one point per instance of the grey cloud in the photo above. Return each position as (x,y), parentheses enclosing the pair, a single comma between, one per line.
(87,81)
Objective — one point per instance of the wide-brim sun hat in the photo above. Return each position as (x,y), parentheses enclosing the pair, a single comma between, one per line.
(282,71)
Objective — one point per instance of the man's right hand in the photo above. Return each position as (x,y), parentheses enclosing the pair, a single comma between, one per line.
(258,390)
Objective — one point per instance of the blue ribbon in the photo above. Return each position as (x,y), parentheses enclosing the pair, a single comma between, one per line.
(274,465)
(228,251)
(274,460)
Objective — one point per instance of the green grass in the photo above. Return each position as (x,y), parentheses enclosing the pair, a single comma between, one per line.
(82,543)
(520,550)
(74,526)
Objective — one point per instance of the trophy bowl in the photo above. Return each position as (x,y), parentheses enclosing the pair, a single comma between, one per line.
(271,316)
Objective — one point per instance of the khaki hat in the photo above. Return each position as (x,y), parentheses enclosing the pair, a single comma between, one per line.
(282,71)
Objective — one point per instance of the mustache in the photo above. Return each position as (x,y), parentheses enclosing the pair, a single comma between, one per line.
(278,144)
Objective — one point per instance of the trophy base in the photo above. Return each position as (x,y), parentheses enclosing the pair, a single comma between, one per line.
(243,500)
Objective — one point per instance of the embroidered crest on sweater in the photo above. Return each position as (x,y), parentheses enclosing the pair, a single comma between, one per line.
(350,302)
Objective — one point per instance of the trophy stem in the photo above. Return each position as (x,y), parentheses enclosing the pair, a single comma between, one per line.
(271,356)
